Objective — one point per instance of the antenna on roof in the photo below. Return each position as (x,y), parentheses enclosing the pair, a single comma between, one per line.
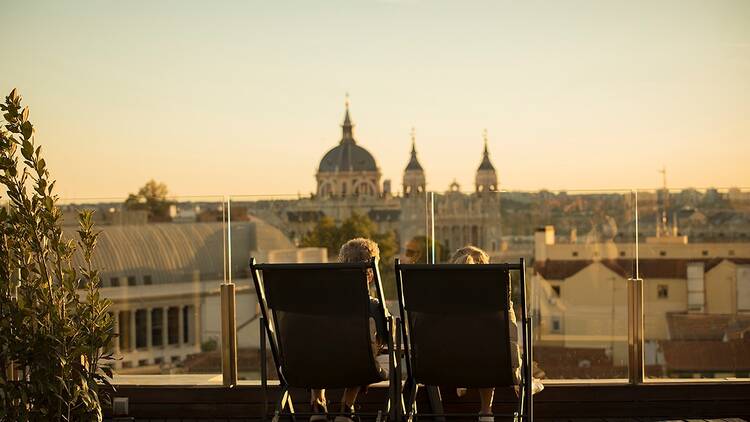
(665,204)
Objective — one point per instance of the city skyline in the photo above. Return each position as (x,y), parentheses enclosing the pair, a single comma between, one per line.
(245,99)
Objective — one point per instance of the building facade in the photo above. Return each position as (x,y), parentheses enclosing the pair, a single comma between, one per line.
(696,300)
(349,181)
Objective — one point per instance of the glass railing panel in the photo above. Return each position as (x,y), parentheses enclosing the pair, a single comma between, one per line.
(269,229)
(299,229)
(161,265)
(695,263)
(578,247)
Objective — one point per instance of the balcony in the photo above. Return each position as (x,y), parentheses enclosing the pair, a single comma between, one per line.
(592,256)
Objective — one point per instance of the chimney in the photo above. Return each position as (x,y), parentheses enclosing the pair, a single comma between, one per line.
(543,237)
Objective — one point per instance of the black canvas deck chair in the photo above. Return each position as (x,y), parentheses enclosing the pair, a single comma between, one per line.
(317,320)
(456,331)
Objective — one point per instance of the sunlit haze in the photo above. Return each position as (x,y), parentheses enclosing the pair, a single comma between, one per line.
(246,97)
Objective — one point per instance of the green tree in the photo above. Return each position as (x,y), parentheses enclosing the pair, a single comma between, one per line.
(54,327)
(152,197)
(327,235)
(418,246)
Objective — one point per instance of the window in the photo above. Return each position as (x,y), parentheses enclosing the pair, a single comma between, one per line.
(704,253)
(143,362)
(731,252)
(622,253)
(186,324)
(147,280)
(173,325)
(662,253)
(124,330)
(556,290)
(695,286)
(131,280)
(662,291)
(126,365)
(157,327)
(114,281)
(575,253)
(556,325)
(111,345)
(141,329)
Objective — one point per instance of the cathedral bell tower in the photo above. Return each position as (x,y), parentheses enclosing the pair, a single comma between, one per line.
(414,178)
(486,178)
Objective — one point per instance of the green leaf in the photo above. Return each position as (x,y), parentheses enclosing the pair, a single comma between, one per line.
(48,327)
(27,129)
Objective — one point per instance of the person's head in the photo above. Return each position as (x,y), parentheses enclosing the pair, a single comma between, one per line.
(359,250)
(414,251)
(470,255)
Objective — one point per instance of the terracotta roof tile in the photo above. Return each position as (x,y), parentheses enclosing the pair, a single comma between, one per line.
(648,268)
(707,355)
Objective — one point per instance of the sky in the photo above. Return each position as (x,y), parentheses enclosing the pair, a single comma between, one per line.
(245,97)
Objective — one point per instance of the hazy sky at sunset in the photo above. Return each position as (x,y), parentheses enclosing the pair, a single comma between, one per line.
(245,97)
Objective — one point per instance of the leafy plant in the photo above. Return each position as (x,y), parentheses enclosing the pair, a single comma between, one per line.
(55,330)
(326,234)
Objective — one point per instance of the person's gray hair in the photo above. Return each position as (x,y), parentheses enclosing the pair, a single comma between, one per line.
(470,255)
(359,250)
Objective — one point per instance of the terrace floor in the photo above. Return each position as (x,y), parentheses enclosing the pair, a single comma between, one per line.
(560,401)
(539,419)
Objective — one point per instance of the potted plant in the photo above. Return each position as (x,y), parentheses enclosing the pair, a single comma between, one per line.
(55,329)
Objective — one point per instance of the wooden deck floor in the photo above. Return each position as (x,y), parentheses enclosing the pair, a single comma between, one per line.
(540,420)
(725,402)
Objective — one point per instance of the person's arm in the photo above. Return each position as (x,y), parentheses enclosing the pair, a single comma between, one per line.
(381,326)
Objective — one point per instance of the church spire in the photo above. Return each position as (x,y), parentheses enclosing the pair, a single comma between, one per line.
(413,161)
(348,134)
(486,163)
(414,178)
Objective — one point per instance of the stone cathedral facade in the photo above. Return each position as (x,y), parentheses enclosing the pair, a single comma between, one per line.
(349,181)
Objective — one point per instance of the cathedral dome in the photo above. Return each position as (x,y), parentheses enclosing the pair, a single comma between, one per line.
(347,155)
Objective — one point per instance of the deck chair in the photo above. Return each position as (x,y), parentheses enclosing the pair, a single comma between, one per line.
(317,320)
(456,331)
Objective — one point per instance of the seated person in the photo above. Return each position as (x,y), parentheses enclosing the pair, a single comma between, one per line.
(355,251)
(474,255)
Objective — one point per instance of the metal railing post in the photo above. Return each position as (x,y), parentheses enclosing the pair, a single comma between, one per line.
(228,335)
(635,330)
(635,313)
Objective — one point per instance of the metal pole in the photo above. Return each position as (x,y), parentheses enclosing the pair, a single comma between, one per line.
(229,238)
(528,362)
(635,330)
(426,231)
(228,335)
(635,315)
(432,224)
